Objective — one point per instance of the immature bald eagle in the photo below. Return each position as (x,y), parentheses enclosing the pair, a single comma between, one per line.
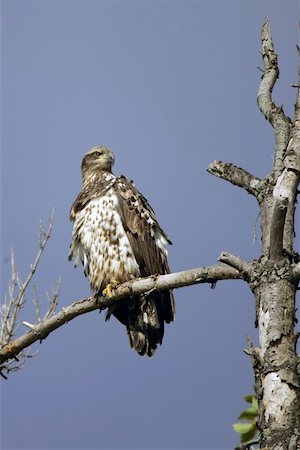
(116,237)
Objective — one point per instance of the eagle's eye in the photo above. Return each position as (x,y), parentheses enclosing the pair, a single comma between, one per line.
(98,154)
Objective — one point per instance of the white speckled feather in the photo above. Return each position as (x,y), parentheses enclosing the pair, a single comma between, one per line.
(100,243)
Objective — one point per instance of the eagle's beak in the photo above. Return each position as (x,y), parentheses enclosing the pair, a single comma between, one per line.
(111,158)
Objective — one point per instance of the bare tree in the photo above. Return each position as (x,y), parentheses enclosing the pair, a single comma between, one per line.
(273,278)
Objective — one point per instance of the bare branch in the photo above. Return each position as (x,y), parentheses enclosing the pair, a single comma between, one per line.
(210,274)
(36,305)
(234,261)
(270,74)
(53,301)
(11,306)
(274,114)
(277,228)
(43,239)
(29,325)
(287,182)
(14,301)
(16,363)
(237,176)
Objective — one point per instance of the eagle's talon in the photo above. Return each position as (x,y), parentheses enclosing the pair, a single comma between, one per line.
(107,292)
(154,276)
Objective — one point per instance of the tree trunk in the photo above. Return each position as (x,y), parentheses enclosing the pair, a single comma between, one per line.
(275,361)
(272,280)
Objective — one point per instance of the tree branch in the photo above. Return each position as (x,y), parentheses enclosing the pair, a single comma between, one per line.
(237,176)
(41,330)
(274,114)
(277,228)
(270,74)
(43,239)
(234,261)
(285,189)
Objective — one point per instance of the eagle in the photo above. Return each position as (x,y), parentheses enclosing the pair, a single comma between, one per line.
(116,237)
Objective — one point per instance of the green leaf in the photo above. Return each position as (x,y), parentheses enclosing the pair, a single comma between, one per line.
(249,398)
(243,428)
(249,414)
(248,437)
(246,430)
(255,402)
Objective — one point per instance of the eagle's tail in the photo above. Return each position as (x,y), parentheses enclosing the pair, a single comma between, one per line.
(145,318)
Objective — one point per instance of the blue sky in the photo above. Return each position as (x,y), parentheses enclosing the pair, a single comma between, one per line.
(170,86)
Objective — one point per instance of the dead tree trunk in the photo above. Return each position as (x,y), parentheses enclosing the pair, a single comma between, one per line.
(274,278)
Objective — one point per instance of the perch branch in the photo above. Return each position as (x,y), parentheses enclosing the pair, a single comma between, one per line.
(274,114)
(41,330)
(236,175)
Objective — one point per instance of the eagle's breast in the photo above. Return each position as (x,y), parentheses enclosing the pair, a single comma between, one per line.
(101,243)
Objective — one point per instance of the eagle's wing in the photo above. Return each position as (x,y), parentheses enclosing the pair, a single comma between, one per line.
(147,239)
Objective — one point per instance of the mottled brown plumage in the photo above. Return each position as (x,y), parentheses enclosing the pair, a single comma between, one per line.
(117,238)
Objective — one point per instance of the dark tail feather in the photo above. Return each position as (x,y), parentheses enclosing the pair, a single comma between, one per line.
(141,343)
(144,318)
(145,325)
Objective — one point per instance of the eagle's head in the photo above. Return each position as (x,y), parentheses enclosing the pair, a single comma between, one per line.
(98,158)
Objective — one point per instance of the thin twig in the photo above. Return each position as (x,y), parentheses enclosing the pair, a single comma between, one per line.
(53,301)
(43,239)
(36,304)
